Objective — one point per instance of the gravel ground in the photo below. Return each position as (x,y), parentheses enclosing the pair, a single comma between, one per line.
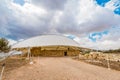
(61,68)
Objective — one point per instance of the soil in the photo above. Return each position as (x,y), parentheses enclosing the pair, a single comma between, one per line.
(12,63)
(57,68)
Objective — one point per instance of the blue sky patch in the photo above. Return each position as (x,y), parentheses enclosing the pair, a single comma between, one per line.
(97,35)
(71,36)
(117,11)
(92,39)
(11,37)
(20,2)
(117,5)
(102,2)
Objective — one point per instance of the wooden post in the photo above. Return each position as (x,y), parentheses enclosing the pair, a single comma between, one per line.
(3,67)
(108,62)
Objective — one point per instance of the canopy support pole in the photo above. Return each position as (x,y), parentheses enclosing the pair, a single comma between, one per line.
(29,55)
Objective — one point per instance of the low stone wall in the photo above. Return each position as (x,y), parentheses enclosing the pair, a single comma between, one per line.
(100,56)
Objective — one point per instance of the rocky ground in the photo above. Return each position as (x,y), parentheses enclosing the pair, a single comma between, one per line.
(60,68)
(114,64)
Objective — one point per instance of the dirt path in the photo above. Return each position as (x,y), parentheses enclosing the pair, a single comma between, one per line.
(61,68)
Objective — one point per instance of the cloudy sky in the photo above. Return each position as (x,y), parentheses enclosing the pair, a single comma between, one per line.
(92,23)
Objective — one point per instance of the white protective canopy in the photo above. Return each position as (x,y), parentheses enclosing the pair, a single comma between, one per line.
(46,40)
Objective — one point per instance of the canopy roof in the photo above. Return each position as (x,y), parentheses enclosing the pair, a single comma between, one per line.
(46,40)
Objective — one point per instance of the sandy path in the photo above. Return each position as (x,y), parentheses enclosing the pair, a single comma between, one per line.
(56,68)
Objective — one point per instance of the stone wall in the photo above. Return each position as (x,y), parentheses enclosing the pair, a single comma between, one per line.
(73,52)
(54,53)
(42,52)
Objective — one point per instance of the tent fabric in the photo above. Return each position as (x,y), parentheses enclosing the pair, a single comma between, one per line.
(46,40)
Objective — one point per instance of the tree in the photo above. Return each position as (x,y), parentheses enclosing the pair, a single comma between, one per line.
(4,45)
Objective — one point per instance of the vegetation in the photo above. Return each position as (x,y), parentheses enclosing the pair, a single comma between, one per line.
(4,45)
(112,51)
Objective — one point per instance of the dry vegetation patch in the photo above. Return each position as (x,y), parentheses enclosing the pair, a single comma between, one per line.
(12,63)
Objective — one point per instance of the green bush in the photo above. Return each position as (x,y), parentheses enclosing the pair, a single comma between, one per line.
(4,45)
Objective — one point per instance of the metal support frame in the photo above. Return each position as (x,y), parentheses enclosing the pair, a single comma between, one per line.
(29,55)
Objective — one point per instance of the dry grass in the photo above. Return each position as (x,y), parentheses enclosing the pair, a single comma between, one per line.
(12,63)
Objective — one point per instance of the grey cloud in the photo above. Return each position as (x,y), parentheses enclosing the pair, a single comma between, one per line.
(29,29)
(68,23)
(4,16)
(50,4)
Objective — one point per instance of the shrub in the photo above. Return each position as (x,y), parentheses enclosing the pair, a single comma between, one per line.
(4,45)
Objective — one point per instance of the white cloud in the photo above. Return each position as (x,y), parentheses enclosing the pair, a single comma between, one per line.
(27,14)
(12,42)
(77,17)
(84,18)
(101,45)
(109,41)
(110,5)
